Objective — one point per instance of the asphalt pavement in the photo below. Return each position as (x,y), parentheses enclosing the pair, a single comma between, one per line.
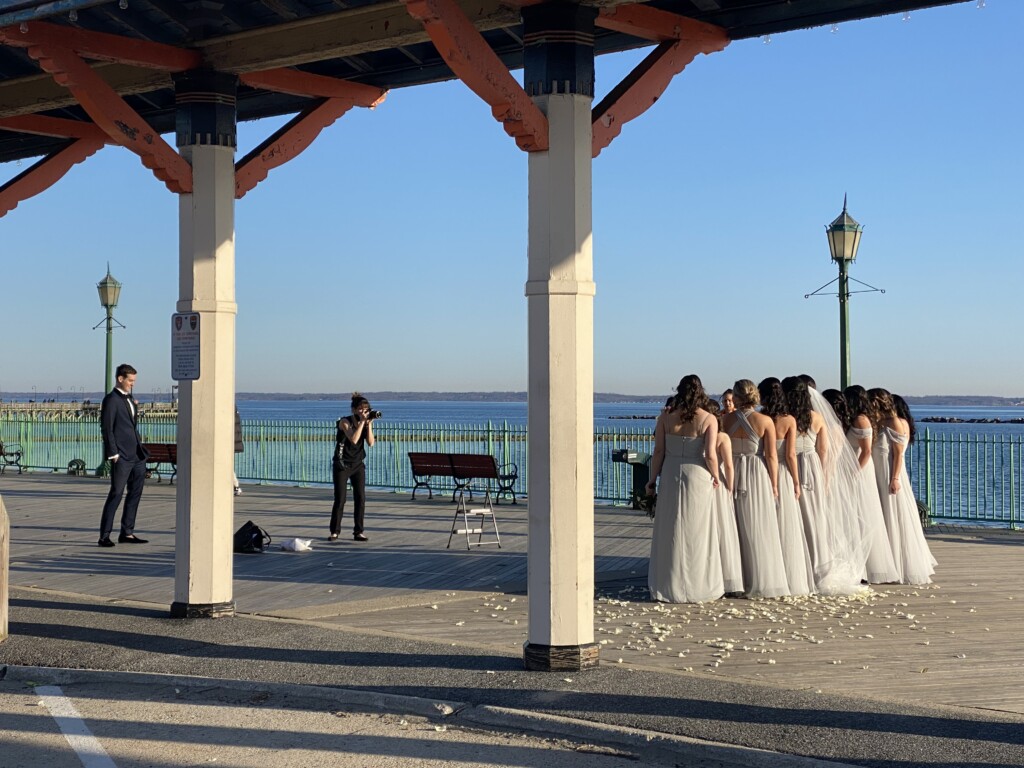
(98,651)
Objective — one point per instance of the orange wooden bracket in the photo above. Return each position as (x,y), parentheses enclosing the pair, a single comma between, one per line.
(299,83)
(680,40)
(102,46)
(292,139)
(464,50)
(111,113)
(45,173)
(286,143)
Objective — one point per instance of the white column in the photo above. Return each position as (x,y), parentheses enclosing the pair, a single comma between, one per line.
(206,427)
(203,572)
(560,297)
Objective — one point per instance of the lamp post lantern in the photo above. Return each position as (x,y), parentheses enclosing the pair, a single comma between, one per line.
(843,241)
(110,292)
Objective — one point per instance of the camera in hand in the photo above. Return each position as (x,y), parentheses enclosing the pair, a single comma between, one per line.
(374,415)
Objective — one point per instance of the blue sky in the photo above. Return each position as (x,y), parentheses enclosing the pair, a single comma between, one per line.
(402,229)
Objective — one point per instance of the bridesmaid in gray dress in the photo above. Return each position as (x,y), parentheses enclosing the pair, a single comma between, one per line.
(686,564)
(725,511)
(795,553)
(909,548)
(757,488)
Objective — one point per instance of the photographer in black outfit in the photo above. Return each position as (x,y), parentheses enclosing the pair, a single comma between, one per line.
(355,432)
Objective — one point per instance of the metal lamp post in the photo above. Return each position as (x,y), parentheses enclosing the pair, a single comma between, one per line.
(110,291)
(843,241)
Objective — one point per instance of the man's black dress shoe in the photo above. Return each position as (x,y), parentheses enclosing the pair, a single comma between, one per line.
(359,537)
(131,539)
(106,542)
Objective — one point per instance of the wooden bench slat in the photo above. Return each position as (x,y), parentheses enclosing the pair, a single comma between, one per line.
(161,453)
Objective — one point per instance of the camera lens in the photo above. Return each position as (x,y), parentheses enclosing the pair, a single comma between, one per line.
(375,414)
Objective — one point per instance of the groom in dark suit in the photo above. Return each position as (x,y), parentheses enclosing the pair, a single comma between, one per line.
(122,446)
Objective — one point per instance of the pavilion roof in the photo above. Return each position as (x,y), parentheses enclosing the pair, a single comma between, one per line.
(372,42)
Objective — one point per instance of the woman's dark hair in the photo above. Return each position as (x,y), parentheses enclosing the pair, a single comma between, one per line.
(358,400)
(903,411)
(773,399)
(711,406)
(860,404)
(837,400)
(806,379)
(881,399)
(799,401)
(689,397)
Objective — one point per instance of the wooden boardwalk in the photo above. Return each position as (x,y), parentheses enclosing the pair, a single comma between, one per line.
(957,642)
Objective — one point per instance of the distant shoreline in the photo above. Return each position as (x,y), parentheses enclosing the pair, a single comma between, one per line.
(990,401)
(976,401)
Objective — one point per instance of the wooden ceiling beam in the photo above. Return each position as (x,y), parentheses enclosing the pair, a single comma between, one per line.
(39,93)
(101,46)
(58,127)
(331,36)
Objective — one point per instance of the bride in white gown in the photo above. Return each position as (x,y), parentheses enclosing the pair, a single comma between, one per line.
(812,454)
(880,567)
(686,563)
(844,515)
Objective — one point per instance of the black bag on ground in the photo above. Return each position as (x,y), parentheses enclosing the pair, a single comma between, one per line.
(251,538)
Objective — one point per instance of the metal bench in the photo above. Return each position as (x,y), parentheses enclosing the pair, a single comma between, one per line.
(10,456)
(161,453)
(463,468)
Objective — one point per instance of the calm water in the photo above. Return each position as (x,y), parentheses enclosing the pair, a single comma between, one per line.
(605,414)
(430,411)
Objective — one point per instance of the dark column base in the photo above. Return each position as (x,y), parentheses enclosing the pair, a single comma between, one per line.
(556,658)
(202,610)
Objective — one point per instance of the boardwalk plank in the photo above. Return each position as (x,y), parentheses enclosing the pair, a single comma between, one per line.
(970,620)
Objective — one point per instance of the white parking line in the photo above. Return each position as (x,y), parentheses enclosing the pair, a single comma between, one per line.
(85,745)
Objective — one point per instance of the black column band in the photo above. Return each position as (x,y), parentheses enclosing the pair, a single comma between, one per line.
(206,108)
(558,49)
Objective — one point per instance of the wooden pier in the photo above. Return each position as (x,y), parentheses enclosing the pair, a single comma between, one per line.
(956,642)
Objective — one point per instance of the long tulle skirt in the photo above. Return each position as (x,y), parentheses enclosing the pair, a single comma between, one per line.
(764,570)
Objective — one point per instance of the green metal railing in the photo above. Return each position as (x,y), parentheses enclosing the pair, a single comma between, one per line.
(976,478)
